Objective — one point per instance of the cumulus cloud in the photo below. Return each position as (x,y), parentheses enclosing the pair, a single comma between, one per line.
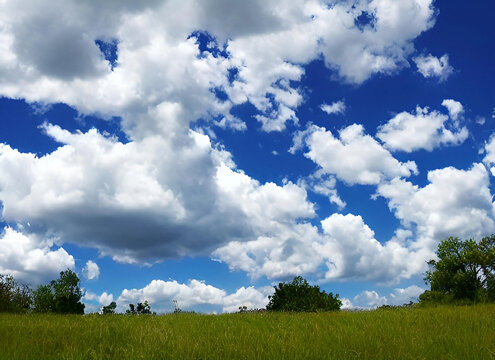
(354,157)
(489,150)
(321,183)
(424,129)
(30,259)
(132,203)
(351,252)
(161,294)
(454,203)
(345,250)
(337,107)
(455,108)
(266,42)
(370,299)
(169,191)
(430,66)
(91,271)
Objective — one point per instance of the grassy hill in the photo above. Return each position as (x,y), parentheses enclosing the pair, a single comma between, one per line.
(466,332)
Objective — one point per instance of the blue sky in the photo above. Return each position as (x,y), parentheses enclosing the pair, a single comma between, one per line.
(203,151)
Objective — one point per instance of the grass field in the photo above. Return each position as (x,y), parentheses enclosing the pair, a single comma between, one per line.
(406,333)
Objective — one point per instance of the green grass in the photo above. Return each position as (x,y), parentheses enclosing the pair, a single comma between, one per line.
(406,333)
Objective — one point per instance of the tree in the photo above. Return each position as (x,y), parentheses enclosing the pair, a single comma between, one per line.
(298,295)
(67,293)
(465,270)
(43,299)
(141,308)
(109,309)
(61,296)
(14,297)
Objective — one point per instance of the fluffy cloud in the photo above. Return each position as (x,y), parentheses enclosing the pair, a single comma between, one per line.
(131,202)
(455,108)
(354,157)
(345,250)
(169,191)
(454,203)
(266,42)
(30,260)
(337,107)
(91,271)
(352,253)
(424,129)
(371,299)
(161,294)
(430,66)
(489,150)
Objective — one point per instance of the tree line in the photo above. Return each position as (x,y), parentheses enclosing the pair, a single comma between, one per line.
(62,296)
(463,273)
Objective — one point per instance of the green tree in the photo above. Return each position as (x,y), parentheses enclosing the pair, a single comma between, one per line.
(141,308)
(464,271)
(109,309)
(43,299)
(61,296)
(298,295)
(67,293)
(14,297)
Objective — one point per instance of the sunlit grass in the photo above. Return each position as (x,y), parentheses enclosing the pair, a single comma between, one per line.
(407,333)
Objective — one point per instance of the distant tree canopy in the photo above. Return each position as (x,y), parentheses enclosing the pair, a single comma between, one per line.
(61,296)
(109,309)
(14,297)
(298,295)
(464,271)
(141,308)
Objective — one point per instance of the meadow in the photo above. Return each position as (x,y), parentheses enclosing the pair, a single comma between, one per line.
(447,332)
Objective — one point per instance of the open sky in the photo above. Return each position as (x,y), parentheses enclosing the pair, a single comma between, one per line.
(204,150)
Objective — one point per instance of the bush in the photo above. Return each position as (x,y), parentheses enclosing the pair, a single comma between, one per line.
(298,295)
(14,297)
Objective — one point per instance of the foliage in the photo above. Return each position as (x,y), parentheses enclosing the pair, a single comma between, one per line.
(464,271)
(443,332)
(109,309)
(141,308)
(14,297)
(61,296)
(43,301)
(298,295)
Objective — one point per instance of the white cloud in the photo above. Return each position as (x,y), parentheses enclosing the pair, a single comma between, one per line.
(91,271)
(160,295)
(337,107)
(454,203)
(31,260)
(168,187)
(267,42)
(346,250)
(323,184)
(132,203)
(354,157)
(489,150)
(430,66)
(404,296)
(351,252)
(280,256)
(370,299)
(424,130)
(455,108)
(105,299)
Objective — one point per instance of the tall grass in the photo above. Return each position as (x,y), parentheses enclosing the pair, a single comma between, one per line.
(415,333)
